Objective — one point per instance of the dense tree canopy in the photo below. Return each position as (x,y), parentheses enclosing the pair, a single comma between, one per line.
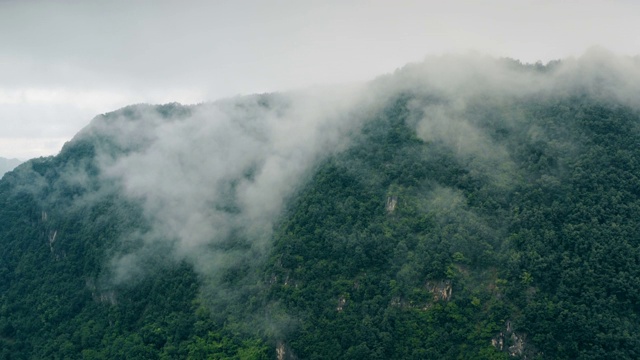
(510,229)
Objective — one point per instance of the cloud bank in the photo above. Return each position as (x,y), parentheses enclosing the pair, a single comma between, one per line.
(213,181)
(214,178)
(162,51)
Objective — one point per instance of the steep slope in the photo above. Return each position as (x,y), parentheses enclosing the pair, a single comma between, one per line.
(62,226)
(458,208)
(8,165)
(421,254)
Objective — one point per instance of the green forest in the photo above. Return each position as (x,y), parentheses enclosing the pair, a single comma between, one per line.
(506,228)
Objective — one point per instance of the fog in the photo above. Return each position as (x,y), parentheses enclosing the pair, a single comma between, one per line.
(214,180)
(8,165)
(64,62)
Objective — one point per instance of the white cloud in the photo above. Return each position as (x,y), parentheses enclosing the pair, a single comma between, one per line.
(92,99)
(25,148)
(101,55)
(226,168)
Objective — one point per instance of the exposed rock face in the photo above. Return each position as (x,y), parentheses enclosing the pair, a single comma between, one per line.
(441,289)
(101,296)
(341,303)
(392,202)
(283,352)
(518,341)
(514,343)
(280,351)
(52,238)
(498,341)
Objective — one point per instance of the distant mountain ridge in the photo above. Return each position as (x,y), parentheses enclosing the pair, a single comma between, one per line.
(8,165)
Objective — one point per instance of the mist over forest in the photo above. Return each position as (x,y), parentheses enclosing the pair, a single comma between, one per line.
(460,207)
(8,165)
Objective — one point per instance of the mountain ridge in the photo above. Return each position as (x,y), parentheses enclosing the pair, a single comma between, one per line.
(458,208)
(7,165)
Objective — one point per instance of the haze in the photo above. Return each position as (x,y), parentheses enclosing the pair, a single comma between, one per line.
(65,62)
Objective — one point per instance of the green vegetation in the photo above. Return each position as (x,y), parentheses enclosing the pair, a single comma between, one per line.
(517,238)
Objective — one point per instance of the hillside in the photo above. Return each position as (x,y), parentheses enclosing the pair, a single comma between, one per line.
(458,208)
(8,165)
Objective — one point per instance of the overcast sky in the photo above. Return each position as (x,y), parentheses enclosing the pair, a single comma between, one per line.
(63,62)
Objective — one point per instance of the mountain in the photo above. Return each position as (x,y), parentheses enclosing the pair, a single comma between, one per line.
(462,207)
(8,165)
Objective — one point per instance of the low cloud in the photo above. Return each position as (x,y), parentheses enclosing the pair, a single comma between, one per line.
(213,181)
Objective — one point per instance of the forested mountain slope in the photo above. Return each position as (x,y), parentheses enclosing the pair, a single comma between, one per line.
(8,165)
(458,208)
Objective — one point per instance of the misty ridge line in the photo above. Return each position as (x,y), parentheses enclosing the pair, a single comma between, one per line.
(7,165)
(212,179)
(222,172)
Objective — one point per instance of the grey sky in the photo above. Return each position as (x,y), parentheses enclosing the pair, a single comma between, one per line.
(63,62)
